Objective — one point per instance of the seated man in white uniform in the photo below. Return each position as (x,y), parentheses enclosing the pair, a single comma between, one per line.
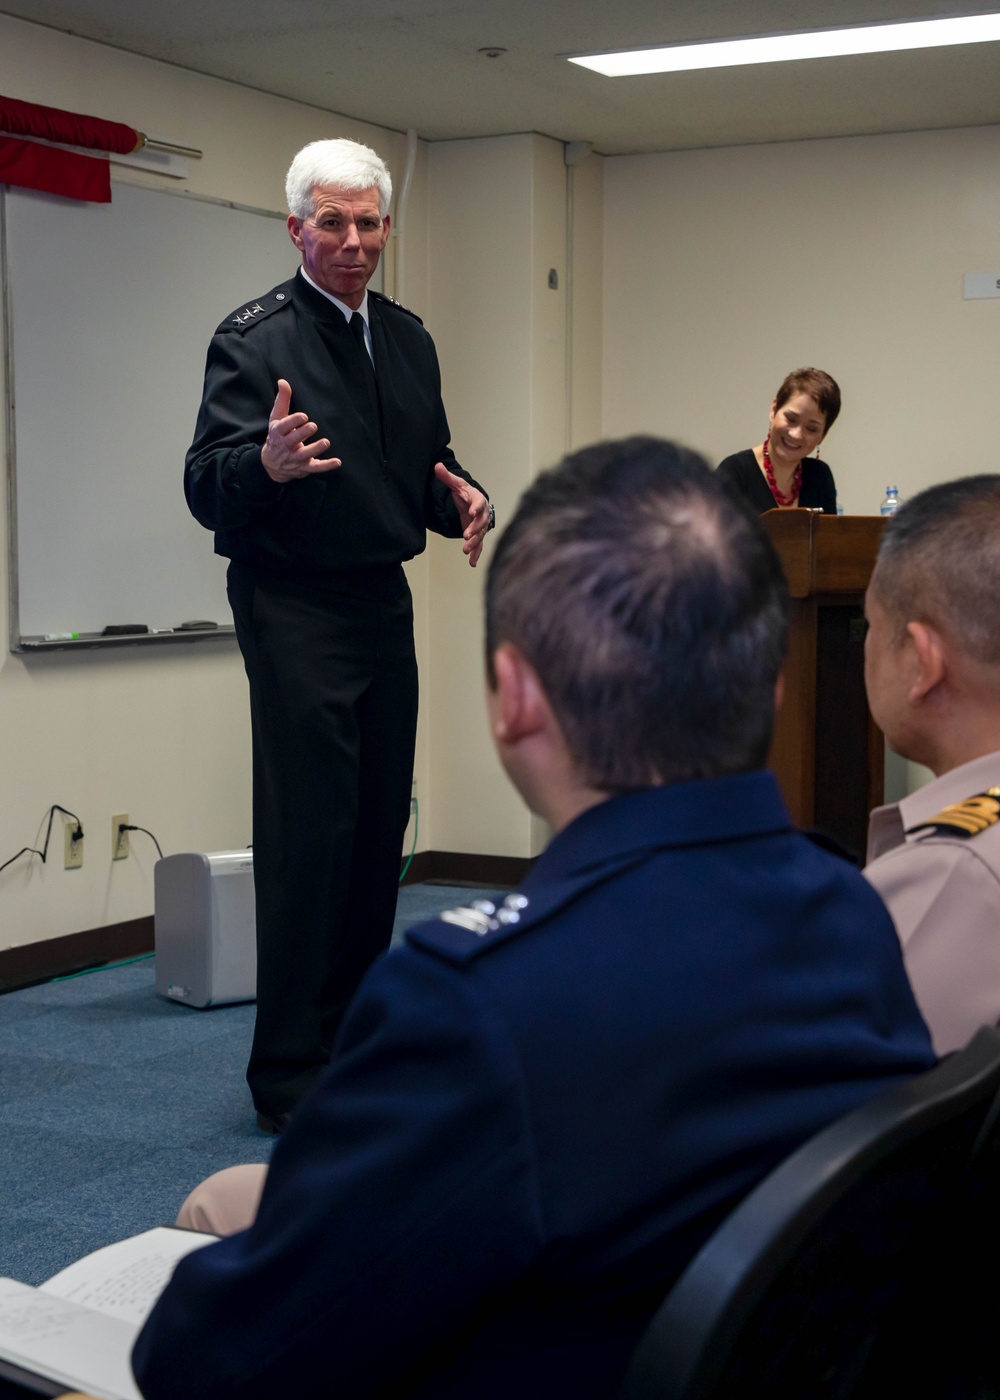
(932,668)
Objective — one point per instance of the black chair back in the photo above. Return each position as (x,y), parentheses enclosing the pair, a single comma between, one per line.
(846,1272)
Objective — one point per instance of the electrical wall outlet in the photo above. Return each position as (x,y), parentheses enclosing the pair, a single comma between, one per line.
(72,849)
(119,838)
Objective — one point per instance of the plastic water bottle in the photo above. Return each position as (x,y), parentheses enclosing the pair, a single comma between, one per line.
(836,497)
(890,501)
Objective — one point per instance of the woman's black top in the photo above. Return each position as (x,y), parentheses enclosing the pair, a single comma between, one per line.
(742,473)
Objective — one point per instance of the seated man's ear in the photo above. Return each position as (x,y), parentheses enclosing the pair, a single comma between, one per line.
(518,705)
(929,653)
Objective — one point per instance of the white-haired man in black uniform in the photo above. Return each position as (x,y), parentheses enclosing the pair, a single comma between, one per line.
(321,457)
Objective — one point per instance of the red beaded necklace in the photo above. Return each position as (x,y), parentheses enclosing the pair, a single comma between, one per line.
(792,498)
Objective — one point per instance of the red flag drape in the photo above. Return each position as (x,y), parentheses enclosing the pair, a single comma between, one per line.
(71,128)
(36,167)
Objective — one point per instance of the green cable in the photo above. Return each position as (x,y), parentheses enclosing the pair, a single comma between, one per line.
(415,808)
(102,967)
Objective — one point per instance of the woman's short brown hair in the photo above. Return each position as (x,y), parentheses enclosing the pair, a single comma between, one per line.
(818,385)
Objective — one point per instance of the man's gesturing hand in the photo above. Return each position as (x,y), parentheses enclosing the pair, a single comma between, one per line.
(473,511)
(286,455)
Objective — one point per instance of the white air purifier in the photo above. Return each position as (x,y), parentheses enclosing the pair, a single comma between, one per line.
(206,928)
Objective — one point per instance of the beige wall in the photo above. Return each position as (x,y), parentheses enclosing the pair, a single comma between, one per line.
(164,735)
(727,268)
(487,239)
(585,257)
(688,284)
(498,225)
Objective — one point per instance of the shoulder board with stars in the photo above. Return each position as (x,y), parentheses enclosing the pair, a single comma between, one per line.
(463,933)
(391,301)
(964,819)
(255,311)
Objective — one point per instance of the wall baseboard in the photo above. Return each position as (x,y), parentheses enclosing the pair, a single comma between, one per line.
(459,868)
(76,952)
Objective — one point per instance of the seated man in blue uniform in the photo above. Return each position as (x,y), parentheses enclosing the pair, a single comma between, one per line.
(535,1113)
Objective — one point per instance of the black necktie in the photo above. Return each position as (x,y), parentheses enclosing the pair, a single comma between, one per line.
(357,324)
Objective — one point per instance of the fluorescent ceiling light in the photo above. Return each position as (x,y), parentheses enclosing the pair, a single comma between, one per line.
(781,48)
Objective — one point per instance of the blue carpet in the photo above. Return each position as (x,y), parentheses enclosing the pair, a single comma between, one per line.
(114,1103)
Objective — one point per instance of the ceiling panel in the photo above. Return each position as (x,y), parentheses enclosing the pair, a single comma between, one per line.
(403,63)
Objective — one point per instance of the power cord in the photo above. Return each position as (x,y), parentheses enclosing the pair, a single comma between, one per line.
(415,811)
(104,967)
(32,850)
(127,826)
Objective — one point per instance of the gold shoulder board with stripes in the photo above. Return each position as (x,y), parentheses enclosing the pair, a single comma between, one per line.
(965,819)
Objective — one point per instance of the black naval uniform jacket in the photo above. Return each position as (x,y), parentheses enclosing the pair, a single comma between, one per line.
(372,510)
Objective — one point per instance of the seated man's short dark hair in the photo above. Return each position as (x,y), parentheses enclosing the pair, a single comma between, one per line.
(653,608)
(939,562)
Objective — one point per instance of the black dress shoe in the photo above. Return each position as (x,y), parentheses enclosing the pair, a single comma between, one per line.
(273,1122)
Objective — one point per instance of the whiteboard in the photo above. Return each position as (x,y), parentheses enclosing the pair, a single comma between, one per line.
(108,313)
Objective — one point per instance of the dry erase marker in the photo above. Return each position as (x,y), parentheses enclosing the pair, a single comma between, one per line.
(60,636)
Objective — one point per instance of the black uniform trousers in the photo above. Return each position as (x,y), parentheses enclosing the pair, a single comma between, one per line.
(333,708)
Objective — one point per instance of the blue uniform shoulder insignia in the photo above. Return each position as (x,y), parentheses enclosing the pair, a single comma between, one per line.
(964,819)
(391,301)
(461,934)
(254,311)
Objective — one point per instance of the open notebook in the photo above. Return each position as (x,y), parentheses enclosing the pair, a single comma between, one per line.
(77,1330)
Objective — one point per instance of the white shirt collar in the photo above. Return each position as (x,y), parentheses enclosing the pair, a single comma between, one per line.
(889,824)
(347,310)
(956,785)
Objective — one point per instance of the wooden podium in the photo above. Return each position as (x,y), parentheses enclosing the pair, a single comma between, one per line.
(827,751)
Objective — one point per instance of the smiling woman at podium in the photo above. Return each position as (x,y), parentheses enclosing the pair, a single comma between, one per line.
(779,473)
